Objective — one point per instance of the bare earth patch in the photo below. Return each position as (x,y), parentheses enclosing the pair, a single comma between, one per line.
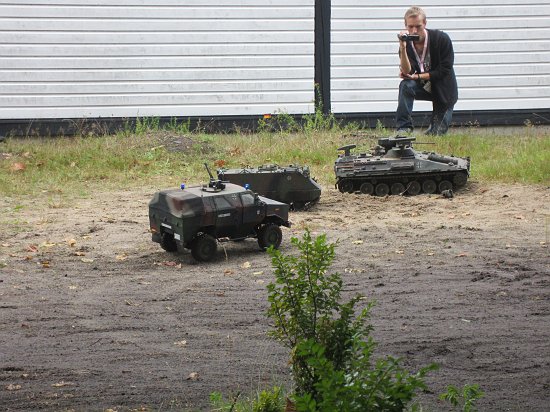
(93,315)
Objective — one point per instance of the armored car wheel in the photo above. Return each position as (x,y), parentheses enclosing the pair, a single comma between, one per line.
(168,243)
(429,186)
(204,247)
(270,235)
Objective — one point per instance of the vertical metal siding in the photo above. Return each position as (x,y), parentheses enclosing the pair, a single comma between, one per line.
(126,58)
(502,53)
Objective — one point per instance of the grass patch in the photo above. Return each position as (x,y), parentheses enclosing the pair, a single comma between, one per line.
(164,158)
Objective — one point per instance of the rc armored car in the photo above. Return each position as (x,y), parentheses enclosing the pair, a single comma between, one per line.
(290,184)
(394,167)
(198,217)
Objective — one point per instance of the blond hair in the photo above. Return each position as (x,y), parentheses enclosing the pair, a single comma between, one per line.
(415,11)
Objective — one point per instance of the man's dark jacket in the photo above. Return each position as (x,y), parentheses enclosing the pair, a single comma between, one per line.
(442,74)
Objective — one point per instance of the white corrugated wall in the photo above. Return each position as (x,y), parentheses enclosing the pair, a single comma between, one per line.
(502,53)
(126,58)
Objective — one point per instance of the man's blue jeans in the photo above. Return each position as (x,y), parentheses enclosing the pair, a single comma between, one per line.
(411,90)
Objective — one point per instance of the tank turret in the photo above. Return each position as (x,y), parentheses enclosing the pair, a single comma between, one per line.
(394,167)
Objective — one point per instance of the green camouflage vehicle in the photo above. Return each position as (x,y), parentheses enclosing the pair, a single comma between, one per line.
(196,218)
(394,167)
(288,184)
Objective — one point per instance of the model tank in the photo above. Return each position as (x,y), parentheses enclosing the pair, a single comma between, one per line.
(290,184)
(393,167)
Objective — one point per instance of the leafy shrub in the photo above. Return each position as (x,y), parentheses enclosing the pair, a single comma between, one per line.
(465,399)
(269,401)
(331,350)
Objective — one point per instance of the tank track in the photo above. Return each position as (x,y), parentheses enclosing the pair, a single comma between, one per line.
(409,184)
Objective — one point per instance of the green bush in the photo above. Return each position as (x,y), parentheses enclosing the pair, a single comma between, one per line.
(331,350)
(269,401)
(464,399)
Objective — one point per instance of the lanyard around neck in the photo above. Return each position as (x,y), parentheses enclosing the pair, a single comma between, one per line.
(418,58)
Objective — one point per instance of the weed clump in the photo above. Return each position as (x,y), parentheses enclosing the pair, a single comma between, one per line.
(331,350)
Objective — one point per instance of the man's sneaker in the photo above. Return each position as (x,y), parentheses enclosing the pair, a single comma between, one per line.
(404,131)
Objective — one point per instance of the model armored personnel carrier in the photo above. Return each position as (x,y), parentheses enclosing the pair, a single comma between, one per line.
(395,168)
(290,184)
(198,217)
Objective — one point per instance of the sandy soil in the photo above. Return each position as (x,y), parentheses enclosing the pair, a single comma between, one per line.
(96,316)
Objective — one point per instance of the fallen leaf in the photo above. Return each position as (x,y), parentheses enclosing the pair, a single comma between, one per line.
(193,376)
(220,163)
(130,303)
(45,263)
(79,253)
(261,272)
(6,245)
(62,384)
(71,242)
(451,217)
(228,272)
(357,242)
(181,343)
(170,263)
(220,294)
(32,248)
(72,287)
(87,260)
(122,256)
(520,217)
(12,387)
(47,244)
(17,167)
(466,320)
(399,252)
(461,255)
(246,265)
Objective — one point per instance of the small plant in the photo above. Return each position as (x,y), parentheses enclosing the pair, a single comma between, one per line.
(465,399)
(269,401)
(183,127)
(331,350)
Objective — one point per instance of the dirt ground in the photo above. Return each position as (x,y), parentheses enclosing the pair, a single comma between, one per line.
(95,316)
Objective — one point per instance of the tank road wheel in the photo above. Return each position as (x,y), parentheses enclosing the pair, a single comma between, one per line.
(367,188)
(345,186)
(298,205)
(204,248)
(444,185)
(168,243)
(429,186)
(397,188)
(413,188)
(270,235)
(460,179)
(382,189)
